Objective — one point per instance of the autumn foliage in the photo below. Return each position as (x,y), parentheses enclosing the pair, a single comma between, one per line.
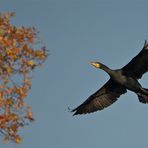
(18,58)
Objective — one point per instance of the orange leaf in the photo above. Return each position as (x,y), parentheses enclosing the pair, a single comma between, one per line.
(17,139)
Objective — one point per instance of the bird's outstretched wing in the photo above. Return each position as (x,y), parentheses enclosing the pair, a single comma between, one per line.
(138,65)
(104,97)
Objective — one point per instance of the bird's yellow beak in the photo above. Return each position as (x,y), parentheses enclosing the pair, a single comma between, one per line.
(95,64)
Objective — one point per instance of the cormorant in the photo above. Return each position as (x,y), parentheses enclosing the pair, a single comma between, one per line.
(120,81)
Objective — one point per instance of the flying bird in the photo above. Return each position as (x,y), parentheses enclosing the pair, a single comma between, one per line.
(120,81)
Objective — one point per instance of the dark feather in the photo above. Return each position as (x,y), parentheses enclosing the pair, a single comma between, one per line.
(143,95)
(104,97)
(138,65)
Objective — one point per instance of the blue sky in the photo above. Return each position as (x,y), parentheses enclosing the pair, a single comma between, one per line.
(76,32)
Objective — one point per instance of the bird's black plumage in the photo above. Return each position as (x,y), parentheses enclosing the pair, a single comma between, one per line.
(120,80)
(138,65)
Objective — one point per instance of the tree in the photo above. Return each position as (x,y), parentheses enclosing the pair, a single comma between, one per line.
(18,58)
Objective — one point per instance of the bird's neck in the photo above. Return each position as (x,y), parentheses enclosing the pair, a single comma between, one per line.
(107,69)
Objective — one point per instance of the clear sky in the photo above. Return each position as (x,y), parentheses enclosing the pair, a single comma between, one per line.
(76,32)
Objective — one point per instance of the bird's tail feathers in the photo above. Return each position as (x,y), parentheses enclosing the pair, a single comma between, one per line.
(143,95)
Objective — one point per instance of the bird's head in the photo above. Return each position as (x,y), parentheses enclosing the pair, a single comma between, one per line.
(101,66)
(96,64)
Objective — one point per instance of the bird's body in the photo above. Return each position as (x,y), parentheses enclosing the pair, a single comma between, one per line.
(128,82)
(120,81)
